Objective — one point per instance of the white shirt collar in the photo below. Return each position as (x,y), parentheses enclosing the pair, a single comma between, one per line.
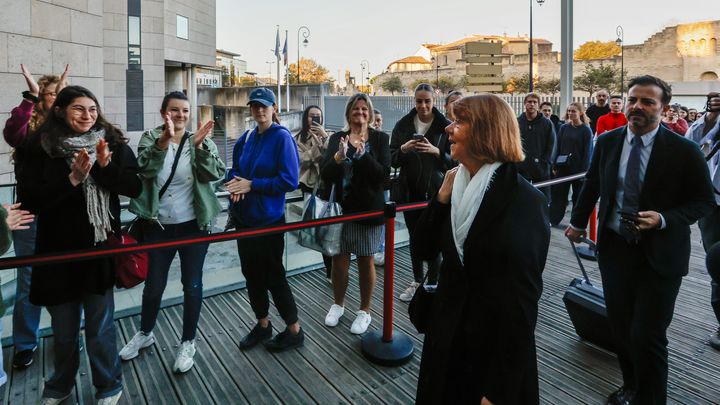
(646,138)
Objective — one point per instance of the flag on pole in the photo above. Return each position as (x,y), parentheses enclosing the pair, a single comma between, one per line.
(285,51)
(277,43)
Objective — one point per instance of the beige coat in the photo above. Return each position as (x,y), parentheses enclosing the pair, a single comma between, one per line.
(311,153)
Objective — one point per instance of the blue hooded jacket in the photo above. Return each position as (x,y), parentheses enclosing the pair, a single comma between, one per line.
(271,161)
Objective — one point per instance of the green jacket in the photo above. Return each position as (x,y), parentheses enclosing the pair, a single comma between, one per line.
(207,169)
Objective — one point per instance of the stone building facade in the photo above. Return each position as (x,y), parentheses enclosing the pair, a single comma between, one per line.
(686,55)
(130,53)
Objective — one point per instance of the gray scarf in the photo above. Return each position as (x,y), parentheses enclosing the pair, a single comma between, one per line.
(97,199)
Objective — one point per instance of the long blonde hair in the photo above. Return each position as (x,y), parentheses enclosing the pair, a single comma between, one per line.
(38,114)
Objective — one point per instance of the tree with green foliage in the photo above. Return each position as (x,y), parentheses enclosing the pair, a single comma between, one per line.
(392,84)
(549,86)
(445,84)
(597,50)
(595,78)
(419,81)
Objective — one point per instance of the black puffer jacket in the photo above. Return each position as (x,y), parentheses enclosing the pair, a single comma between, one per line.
(422,172)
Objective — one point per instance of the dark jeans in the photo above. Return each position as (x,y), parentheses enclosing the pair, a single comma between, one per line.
(710,231)
(411,218)
(191,266)
(26,316)
(640,306)
(101,345)
(559,199)
(261,260)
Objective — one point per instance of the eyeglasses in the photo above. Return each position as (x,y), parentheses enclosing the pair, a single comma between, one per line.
(80,110)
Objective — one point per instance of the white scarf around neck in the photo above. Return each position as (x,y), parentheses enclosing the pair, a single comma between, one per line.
(467,196)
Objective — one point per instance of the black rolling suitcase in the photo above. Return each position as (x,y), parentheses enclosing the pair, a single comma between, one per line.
(585,304)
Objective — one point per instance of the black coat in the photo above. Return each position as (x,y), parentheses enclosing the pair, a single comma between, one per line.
(677,185)
(421,172)
(369,173)
(481,340)
(538,140)
(63,224)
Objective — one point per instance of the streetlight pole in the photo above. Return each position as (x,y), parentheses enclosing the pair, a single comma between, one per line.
(364,65)
(530,79)
(270,63)
(621,42)
(436,61)
(305,33)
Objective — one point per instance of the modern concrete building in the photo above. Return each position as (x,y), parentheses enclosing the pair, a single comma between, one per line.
(130,53)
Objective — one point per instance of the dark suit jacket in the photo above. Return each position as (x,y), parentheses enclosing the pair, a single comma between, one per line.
(677,185)
(481,338)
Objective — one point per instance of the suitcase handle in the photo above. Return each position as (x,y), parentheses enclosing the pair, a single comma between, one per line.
(577,257)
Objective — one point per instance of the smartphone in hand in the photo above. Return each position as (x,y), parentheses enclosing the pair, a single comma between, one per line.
(418,137)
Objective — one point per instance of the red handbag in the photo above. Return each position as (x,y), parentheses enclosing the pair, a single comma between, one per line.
(130,269)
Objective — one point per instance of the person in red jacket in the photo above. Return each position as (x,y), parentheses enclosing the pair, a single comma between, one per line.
(614,119)
(673,121)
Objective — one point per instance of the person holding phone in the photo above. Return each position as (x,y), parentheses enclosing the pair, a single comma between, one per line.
(312,143)
(420,148)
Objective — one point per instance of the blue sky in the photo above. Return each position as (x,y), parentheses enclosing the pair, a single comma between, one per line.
(344,33)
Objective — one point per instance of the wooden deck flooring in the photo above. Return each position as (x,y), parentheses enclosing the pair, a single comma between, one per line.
(330,369)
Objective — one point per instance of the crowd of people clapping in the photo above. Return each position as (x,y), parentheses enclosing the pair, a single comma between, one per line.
(475,164)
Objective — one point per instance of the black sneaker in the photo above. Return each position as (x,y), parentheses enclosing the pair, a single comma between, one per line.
(715,340)
(24,358)
(257,334)
(285,340)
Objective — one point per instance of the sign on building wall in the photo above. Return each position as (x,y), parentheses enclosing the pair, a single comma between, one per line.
(484,66)
(208,78)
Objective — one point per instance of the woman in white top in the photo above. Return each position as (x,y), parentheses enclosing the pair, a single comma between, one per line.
(175,204)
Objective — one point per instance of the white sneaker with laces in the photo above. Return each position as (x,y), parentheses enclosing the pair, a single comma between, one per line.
(53,401)
(184,360)
(379,258)
(139,341)
(112,400)
(407,295)
(361,323)
(334,314)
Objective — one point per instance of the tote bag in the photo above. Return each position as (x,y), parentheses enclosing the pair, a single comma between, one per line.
(326,238)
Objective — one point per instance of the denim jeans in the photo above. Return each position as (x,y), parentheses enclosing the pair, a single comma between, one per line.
(26,316)
(191,266)
(100,345)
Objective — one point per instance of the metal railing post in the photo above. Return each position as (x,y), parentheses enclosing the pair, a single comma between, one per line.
(384,347)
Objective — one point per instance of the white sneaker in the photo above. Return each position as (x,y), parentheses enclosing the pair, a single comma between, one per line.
(407,295)
(333,316)
(184,360)
(139,341)
(110,400)
(361,323)
(379,258)
(53,401)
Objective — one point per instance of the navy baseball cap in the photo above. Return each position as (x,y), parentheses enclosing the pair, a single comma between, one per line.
(263,96)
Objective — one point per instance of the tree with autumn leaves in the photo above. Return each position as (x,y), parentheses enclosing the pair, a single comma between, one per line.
(310,72)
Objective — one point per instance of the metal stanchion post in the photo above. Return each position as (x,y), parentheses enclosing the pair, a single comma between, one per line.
(384,347)
(589,252)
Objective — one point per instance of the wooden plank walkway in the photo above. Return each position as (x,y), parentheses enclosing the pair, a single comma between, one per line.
(330,368)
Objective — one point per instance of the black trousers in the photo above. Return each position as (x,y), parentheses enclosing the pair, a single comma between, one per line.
(710,231)
(261,261)
(559,199)
(411,218)
(640,305)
